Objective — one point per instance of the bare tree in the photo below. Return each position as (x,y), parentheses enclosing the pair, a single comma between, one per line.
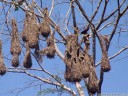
(69,30)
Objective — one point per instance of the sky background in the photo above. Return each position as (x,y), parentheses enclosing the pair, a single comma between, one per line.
(115,81)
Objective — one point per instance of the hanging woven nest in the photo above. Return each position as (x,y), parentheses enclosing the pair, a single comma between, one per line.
(85,66)
(27,63)
(2,66)
(73,65)
(50,52)
(72,45)
(30,31)
(15,42)
(93,85)
(73,71)
(105,64)
(15,45)
(44,28)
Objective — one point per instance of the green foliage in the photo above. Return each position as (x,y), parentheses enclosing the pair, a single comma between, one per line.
(47,91)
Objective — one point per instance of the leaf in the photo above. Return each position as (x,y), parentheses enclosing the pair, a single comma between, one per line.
(47,91)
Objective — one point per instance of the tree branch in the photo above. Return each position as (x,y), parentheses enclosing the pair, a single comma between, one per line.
(79,88)
(48,81)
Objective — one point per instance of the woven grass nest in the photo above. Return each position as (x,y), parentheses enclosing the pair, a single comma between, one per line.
(30,30)
(44,27)
(2,66)
(72,45)
(49,52)
(73,65)
(73,72)
(93,83)
(27,63)
(105,64)
(85,66)
(15,44)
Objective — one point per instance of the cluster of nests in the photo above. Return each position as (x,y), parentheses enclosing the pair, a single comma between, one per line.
(30,37)
(31,34)
(79,64)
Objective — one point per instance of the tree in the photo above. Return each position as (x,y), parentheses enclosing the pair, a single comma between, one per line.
(66,30)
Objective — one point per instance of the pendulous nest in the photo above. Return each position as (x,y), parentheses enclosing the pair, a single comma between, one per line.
(27,63)
(15,44)
(44,27)
(50,50)
(85,66)
(105,64)
(30,30)
(73,65)
(2,66)
(73,72)
(93,85)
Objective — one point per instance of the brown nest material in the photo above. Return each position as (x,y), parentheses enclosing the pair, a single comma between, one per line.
(85,66)
(27,63)
(44,28)
(93,85)
(15,60)
(73,71)
(73,65)
(50,40)
(2,66)
(72,45)
(15,44)
(26,28)
(105,64)
(49,52)
(30,31)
